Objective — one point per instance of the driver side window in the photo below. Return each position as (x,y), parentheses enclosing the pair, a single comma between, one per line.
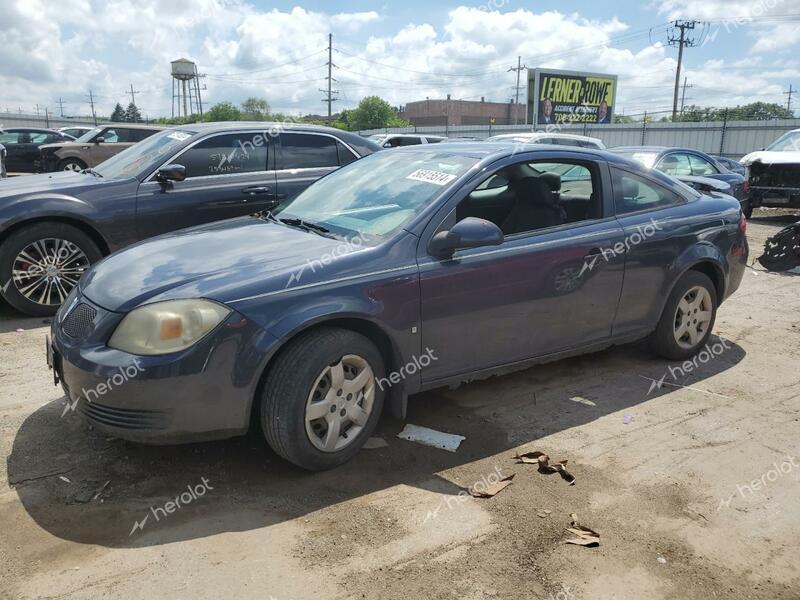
(536,195)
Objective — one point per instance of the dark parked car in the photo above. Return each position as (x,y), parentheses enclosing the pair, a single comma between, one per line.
(732,165)
(52,227)
(405,271)
(680,162)
(2,161)
(22,146)
(93,147)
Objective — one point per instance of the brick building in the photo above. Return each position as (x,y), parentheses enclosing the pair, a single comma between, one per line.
(461,112)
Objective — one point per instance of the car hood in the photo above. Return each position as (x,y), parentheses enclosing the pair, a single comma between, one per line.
(223,261)
(62,181)
(771,158)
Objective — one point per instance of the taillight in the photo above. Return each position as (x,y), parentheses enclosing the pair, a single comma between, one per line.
(743,225)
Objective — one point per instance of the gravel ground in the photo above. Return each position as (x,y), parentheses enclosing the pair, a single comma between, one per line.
(692,486)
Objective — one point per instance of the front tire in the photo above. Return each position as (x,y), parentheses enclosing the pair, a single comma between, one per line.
(321,400)
(687,319)
(71,164)
(41,264)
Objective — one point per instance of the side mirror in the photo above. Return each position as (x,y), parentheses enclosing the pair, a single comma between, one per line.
(471,232)
(387,145)
(100,140)
(173,172)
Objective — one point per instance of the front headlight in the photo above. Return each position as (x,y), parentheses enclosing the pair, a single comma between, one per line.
(166,327)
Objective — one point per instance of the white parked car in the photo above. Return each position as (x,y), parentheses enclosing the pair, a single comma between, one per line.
(541,137)
(393,140)
(774,173)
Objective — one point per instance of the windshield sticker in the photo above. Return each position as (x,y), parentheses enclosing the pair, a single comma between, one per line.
(179,135)
(431,176)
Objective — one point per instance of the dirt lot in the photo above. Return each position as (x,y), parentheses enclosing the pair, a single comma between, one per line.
(692,486)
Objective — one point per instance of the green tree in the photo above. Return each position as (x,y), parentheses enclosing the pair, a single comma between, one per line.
(255,109)
(373,113)
(118,114)
(623,119)
(755,111)
(132,114)
(223,111)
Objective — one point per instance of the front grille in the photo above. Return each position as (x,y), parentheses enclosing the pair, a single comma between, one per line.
(124,418)
(78,323)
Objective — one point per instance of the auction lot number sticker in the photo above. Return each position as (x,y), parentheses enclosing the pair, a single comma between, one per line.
(431,176)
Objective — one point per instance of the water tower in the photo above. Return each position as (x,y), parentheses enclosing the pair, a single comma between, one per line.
(185,89)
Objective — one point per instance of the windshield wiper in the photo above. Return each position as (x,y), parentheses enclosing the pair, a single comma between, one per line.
(91,172)
(265,215)
(323,231)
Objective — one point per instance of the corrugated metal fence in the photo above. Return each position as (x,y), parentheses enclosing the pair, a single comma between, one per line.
(733,138)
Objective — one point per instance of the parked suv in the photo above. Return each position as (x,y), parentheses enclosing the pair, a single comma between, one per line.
(52,227)
(93,147)
(22,146)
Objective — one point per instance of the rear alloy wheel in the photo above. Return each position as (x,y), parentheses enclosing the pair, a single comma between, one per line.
(687,319)
(321,400)
(41,264)
(71,164)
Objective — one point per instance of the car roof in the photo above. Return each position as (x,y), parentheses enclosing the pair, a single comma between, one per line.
(36,129)
(123,125)
(544,134)
(657,149)
(497,150)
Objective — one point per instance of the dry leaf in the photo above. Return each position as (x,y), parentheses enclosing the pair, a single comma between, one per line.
(529,457)
(584,535)
(493,489)
(543,460)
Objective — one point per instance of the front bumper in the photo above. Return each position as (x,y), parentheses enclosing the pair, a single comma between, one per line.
(775,197)
(202,393)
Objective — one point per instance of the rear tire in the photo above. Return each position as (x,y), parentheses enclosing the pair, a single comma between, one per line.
(60,246)
(303,417)
(688,318)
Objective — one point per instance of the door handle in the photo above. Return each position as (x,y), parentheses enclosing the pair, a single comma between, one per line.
(252,191)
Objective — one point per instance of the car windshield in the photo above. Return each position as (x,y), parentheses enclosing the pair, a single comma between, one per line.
(377,195)
(788,142)
(89,134)
(131,161)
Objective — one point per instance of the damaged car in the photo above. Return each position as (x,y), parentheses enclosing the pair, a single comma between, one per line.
(302,320)
(774,174)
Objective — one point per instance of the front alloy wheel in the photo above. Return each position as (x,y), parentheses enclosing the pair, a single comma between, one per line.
(46,271)
(42,263)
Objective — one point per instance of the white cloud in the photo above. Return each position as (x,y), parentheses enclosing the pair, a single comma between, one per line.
(281,55)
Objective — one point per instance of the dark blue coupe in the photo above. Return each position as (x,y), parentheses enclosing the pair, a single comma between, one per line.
(403,271)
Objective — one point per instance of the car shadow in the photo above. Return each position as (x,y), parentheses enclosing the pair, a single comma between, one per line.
(12,320)
(83,486)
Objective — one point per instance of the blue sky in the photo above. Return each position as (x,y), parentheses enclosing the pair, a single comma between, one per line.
(402,51)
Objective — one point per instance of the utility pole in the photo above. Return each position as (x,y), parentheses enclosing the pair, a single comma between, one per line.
(683,93)
(789,101)
(133,95)
(518,69)
(681,42)
(46,118)
(37,110)
(91,102)
(61,105)
(330,92)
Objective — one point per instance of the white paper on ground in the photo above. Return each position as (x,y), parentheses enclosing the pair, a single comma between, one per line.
(431,437)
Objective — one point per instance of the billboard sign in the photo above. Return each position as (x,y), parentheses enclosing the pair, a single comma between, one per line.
(562,97)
